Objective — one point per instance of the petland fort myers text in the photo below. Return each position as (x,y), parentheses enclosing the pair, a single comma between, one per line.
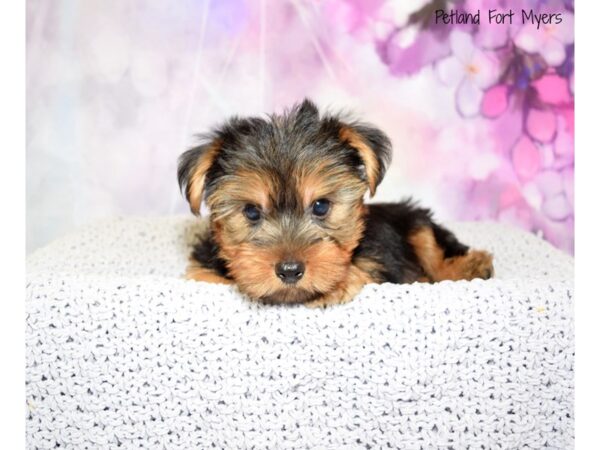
(494,16)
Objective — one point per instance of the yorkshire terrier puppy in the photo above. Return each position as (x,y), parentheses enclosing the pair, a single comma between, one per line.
(288,223)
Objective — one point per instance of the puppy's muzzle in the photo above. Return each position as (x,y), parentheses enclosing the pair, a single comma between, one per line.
(289,271)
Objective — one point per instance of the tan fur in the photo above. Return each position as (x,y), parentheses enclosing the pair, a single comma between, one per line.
(328,261)
(345,192)
(198,273)
(359,273)
(325,251)
(196,181)
(371,268)
(367,154)
(309,186)
(284,167)
(253,269)
(327,179)
(331,277)
(245,187)
(475,264)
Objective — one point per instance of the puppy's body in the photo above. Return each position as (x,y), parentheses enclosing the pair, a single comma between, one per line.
(401,244)
(288,223)
(400,236)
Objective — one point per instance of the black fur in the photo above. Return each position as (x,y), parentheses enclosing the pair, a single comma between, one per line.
(299,137)
(206,252)
(187,163)
(278,148)
(388,227)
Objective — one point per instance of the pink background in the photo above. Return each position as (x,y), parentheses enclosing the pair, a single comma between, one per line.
(481,118)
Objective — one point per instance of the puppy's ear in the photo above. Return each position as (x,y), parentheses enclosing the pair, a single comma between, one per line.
(373,147)
(305,115)
(308,110)
(194,164)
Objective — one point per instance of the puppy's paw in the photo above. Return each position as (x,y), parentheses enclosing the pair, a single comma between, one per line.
(335,298)
(343,294)
(477,264)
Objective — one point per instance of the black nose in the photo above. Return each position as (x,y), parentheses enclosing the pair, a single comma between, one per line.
(290,271)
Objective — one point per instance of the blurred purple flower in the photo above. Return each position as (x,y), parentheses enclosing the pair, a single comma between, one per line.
(553,90)
(548,40)
(469,69)
(407,50)
(526,158)
(540,124)
(495,101)
(514,80)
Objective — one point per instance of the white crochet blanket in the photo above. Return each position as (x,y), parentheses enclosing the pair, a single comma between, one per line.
(123,353)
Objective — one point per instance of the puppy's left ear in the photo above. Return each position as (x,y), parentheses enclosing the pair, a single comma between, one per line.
(373,147)
(194,164)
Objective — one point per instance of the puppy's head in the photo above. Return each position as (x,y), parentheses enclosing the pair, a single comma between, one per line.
(286,198)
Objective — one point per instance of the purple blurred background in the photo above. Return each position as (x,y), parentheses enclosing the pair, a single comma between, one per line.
(481,117)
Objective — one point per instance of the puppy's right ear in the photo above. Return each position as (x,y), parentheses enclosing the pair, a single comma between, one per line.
(191,172)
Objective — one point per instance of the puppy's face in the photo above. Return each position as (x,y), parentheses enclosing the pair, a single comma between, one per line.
(286,198)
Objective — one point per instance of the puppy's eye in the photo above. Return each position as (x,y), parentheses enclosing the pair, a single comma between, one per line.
(252,213)
(320,207)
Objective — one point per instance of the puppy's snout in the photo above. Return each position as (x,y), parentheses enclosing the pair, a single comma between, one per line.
(289,271)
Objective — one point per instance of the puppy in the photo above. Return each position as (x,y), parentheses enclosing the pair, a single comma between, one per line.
(288,223)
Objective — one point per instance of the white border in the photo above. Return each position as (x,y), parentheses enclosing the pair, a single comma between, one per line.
(587,224)
(12,236)
(12,244)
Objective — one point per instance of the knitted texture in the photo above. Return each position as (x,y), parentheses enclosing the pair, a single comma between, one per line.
(121,352)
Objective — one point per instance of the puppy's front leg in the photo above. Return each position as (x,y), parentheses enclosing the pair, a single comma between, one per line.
(361,272)
(197,272)
(204,262)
